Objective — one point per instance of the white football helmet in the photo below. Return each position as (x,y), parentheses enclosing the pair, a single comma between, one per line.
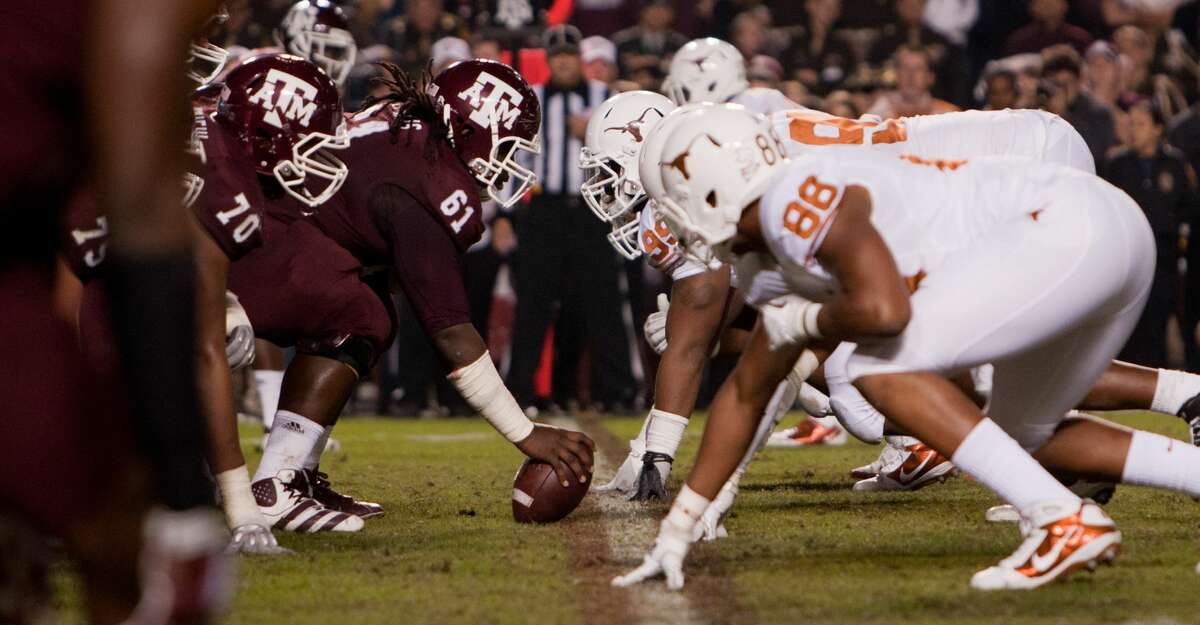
(205,59)
(706,70)
(615,135)
(318,31)
(649,171)
(715,162)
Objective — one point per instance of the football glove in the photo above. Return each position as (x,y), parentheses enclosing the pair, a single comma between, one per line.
(790,320)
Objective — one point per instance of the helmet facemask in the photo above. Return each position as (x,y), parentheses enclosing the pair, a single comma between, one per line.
(608,189)
(205,61)
(333,51)
(311,160)
(504,179)
(625,236)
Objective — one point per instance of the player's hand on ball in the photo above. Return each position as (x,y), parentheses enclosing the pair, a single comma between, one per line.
(666,559)
(570,453)
(256,540)
(655,328)
(789,320)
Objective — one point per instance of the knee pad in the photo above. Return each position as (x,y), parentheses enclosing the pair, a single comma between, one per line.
(354,351)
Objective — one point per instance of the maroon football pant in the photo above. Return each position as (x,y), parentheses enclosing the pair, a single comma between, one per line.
(302,289)
(60,439)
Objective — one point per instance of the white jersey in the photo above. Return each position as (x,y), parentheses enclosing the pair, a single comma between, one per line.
(968,134)
(924,210)
(766,101)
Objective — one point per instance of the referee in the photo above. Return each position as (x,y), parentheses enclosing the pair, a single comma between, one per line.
(563,259)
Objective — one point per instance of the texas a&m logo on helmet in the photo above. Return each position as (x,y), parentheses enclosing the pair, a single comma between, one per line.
(287,115)
(491,116)
(283,95)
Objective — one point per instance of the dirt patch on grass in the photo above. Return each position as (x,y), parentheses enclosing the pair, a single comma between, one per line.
(627,530)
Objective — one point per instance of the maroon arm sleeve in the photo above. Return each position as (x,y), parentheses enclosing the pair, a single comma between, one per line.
(424,259)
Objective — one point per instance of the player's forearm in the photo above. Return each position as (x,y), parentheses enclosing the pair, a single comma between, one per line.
(214,383)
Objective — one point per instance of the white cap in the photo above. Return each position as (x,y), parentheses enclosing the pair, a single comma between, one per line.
(448,50)
(597,48)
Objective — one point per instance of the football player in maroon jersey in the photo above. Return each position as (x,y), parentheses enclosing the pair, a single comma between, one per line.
(77,72)
(420,157)
(275,117)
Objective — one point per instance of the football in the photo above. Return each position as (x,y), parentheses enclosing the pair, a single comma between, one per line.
(538,496)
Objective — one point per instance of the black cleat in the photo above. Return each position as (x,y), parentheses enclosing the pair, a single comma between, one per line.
(1190,413)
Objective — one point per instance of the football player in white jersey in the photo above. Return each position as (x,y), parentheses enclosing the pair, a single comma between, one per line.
(1045,277)
(615,135)
(712,70)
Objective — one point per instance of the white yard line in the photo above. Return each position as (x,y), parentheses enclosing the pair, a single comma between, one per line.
(629,531)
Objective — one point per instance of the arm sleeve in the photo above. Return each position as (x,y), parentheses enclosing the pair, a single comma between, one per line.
(424,259)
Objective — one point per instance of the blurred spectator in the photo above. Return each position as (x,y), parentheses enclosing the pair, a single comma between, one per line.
(1135,44)
(651,42)
(1184,133)
(1061,67)
(599,57)
(949,62)
(1049,27)
(1029,81)
(952,19)
(563,260)
(412,35)
(1104,80)
(911,95)
(448,50)
(1159,178)
(764,71)
(487,47)
(602,17)
(820,59)
(1000,90)
(841,104)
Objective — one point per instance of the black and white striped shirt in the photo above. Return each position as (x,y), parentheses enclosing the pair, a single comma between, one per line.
(557,167)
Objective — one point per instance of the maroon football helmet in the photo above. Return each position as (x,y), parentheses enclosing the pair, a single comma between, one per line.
(318,31)
(287,115)
(491,114)
(206,59)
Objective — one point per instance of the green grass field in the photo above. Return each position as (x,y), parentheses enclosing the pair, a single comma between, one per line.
(803,548)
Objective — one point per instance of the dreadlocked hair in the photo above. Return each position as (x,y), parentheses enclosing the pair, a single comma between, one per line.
(412,96)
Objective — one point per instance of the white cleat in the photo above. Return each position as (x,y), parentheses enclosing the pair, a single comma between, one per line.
(920,467)
(1060,537)
(1099,492)
(285,501)
(891,455)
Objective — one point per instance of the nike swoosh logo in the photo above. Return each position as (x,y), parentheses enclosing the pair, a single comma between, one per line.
(1043,563)
(906,476)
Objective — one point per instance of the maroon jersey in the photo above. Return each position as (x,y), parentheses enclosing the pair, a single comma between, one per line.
(425,170)
(220,187)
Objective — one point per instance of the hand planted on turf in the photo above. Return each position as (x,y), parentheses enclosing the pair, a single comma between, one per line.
(655,328)
(626,479)
(239,347)
(570,453)
(670,548)
(257,540)
(789,320)
(710,526)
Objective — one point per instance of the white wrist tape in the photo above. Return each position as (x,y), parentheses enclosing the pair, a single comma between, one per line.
(481,386)
(664,431)
(809,320)
(805,365)
(239,505)
(686,511)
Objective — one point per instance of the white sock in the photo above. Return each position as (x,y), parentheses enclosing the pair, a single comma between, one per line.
(1173,389)
(314,456)
(664,431)
(291,441)
(814,402)
(236,500)
(1156,460)
(992,457)
(269,383)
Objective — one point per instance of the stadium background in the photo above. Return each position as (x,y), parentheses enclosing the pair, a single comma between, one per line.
(1123,72)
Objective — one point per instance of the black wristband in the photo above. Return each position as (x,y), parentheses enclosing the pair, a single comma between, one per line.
(153,323)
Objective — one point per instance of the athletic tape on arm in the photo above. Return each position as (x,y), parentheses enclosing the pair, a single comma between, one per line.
(481,386)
